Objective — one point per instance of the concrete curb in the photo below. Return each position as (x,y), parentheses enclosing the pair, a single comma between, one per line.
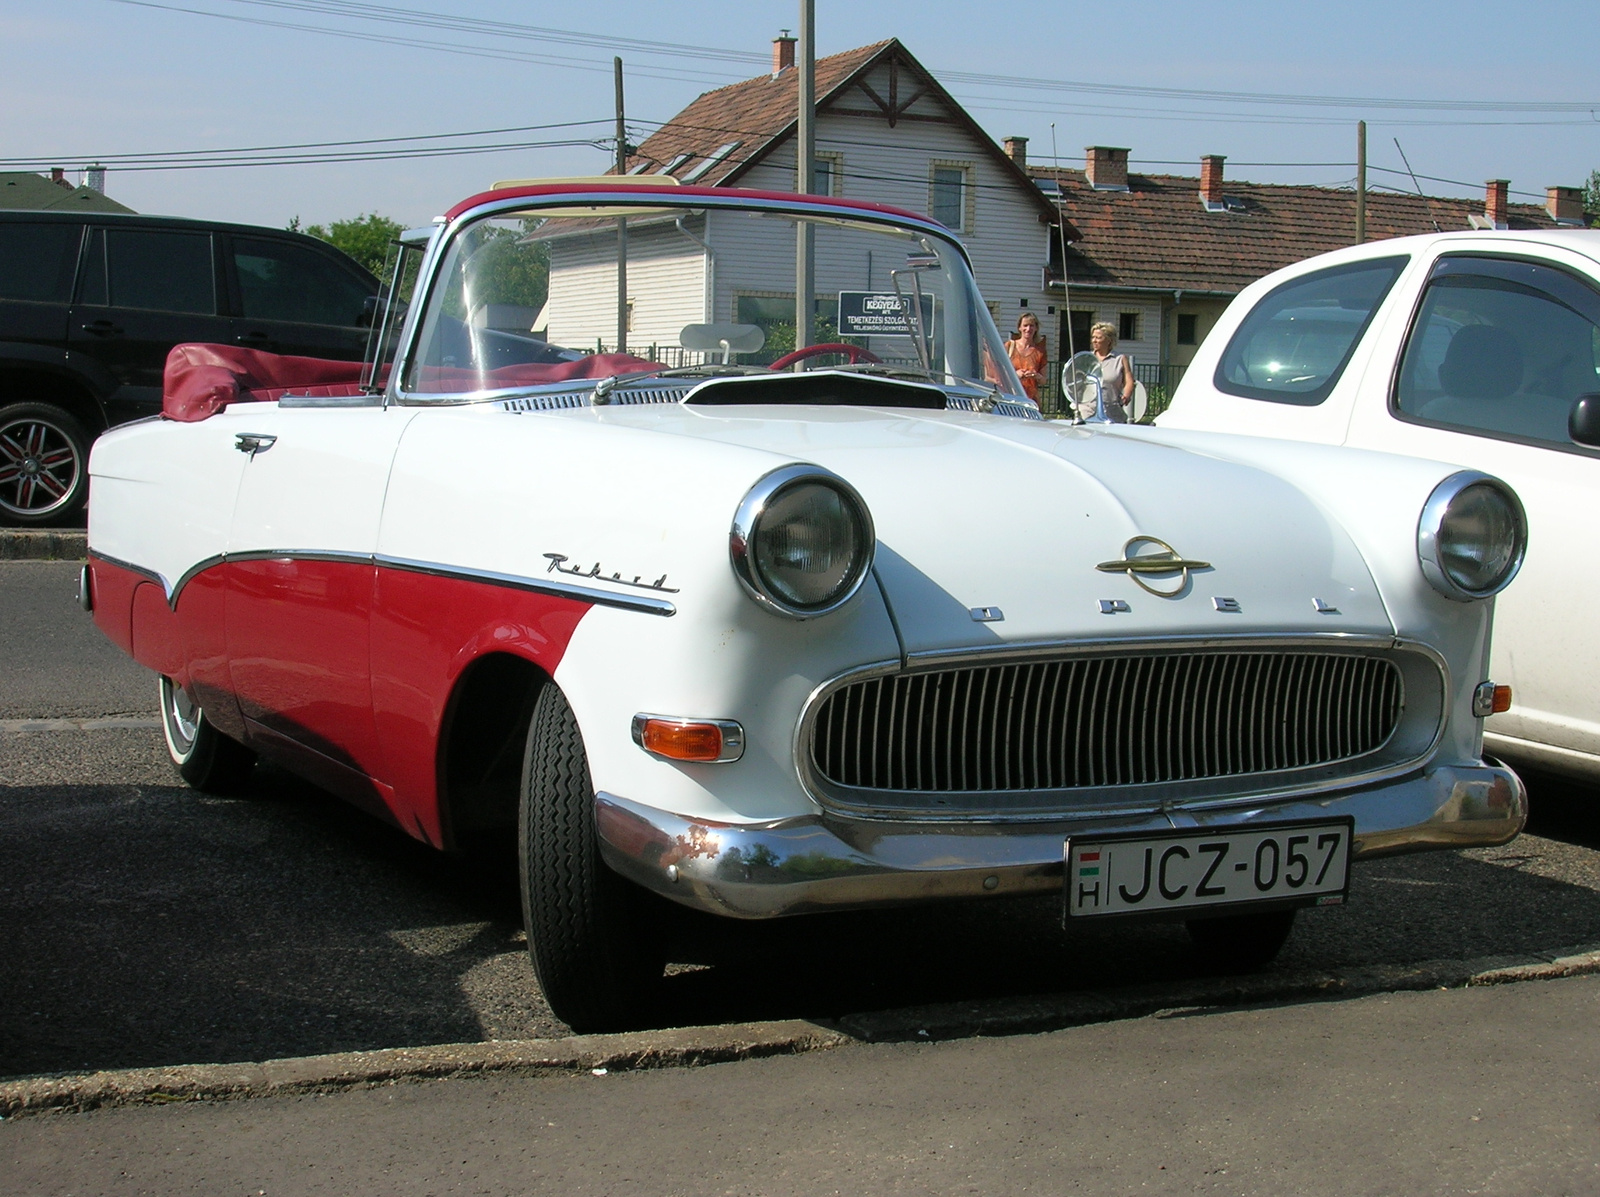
(690,1046)
(675,1048)
(43,544)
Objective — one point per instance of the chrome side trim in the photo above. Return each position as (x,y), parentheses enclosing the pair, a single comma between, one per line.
(589,594)
(265,555)
(148,574)
(824,862)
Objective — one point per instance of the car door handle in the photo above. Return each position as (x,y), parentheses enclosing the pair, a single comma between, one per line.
(103,328)
(253,443)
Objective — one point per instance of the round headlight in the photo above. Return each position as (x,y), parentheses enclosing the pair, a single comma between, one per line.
(802,541)
(1472,536)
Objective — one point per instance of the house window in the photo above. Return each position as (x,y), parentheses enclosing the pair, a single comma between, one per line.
(827,174)
(1128,326)
(949,196)
(1075,326)
(1186,328)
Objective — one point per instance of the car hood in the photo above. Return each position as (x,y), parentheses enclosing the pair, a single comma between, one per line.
(992,531)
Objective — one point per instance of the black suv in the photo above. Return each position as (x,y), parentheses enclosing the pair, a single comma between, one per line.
(90,303)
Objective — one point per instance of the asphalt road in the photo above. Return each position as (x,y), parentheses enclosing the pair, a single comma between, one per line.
(1483,1091)
(144,923)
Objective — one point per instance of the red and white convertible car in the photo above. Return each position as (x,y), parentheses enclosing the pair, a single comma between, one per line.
(707,619)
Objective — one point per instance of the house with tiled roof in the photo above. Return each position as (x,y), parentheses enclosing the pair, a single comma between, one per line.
(886,131)
(1161,255)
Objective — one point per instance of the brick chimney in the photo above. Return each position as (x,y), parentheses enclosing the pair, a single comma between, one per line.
(782,52)
(1106,167)
(1017,151)
(1211,182)
(1494,202)
(1565,204)
(58,176)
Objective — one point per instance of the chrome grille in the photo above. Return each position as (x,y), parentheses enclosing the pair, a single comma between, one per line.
(1119,720)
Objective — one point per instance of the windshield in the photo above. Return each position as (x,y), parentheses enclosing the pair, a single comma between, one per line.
(546,296)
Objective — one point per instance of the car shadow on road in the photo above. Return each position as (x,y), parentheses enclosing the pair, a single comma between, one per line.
(148,924)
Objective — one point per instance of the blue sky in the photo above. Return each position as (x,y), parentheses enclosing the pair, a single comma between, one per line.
(88,78)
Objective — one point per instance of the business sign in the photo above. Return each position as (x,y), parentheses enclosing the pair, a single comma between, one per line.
(880,314)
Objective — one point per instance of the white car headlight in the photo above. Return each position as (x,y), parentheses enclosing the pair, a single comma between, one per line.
(1472,536)
(802,541)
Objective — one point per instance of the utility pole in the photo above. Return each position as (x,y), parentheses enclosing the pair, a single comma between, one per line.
(805,262)
(1361,182)
(622,221)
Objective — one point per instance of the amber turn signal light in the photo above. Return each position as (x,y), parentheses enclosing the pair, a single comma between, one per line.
(1490,699)
(705,740)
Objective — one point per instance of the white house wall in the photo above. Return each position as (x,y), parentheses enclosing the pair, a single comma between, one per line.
(1008,244)
(666,281)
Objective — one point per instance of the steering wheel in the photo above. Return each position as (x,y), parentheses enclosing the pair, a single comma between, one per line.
(854,352)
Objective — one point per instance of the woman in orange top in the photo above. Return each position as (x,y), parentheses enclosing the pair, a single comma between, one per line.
(1027,354)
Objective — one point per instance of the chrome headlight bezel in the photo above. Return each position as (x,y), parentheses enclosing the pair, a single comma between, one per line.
(747,525)
(1430,529)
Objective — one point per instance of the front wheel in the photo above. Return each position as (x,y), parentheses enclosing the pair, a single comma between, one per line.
(204,757)
(595,944)
(44,464)
(1241,943)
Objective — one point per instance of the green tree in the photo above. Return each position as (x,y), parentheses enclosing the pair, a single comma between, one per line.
(368,239)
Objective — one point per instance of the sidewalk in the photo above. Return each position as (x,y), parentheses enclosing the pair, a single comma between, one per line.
(1484,1090)
(43,544)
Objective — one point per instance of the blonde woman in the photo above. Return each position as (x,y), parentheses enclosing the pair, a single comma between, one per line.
(1116,374)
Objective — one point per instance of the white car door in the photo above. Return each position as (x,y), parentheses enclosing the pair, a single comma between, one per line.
(1482,370)
(300,583)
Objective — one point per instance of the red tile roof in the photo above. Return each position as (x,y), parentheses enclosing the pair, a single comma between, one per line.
(1157,235)
(756,113)
(761,113)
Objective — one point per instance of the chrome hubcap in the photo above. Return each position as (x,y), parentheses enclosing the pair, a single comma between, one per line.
(183,715)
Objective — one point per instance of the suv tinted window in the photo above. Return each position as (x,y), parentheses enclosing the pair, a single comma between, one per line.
(282,281)
(151,268)
(1501,347)
(37,261)
(1295,342)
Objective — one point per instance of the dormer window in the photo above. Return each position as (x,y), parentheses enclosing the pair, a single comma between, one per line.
(718,156)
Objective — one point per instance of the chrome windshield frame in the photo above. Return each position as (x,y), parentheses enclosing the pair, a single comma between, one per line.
(733,200)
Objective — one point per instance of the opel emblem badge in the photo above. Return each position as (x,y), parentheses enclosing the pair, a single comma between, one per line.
(1146,557)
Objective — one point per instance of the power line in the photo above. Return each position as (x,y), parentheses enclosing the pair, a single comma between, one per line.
(385,14)
(577,64)
(389,155)
(179,155)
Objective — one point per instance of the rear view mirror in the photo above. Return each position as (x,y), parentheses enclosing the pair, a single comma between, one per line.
(1583,422)
(369,308)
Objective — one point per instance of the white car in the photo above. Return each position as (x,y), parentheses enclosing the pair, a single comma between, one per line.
(1478,348)
(691,625)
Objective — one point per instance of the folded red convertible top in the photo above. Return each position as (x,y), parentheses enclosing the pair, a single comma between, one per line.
(201,379)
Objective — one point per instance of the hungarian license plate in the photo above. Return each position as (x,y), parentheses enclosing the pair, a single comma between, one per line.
(1288,864)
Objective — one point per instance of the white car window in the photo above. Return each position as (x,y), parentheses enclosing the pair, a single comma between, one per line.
(1501,347)
(1295,342)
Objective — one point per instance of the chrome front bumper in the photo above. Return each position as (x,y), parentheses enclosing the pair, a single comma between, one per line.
(825,862)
